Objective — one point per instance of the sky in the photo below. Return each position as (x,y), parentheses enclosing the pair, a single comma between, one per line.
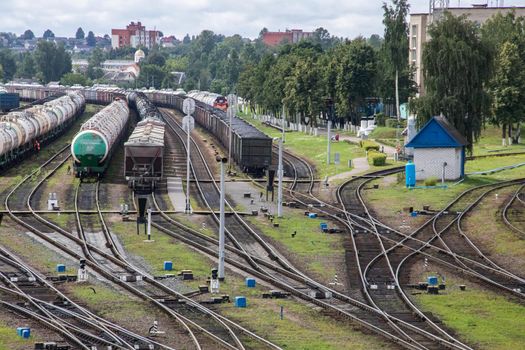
(346,18)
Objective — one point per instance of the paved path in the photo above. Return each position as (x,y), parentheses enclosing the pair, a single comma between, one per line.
(360,165)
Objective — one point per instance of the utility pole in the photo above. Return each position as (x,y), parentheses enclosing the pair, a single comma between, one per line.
(280,174)
(231,111)
(221,220)
(188,123)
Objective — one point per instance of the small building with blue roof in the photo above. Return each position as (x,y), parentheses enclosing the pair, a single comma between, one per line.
(439,150)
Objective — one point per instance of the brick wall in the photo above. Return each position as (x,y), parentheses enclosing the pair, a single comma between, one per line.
(429,163)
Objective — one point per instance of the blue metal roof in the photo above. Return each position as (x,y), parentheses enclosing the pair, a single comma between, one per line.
(437,133)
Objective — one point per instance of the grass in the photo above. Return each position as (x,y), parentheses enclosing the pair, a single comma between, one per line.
(484,319)
(383,132)
(9,340)
(490,140)
(301,328)
(310,243)
(164,248)
(314,149)
(392,195)
(109,302)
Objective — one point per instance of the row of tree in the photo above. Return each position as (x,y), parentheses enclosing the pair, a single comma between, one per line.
(49,62)
(48,34)
(476,75)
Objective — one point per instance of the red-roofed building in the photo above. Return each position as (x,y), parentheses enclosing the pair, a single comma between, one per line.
(291,36)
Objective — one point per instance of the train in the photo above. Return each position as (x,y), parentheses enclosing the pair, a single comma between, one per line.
(25,130)
(209,98)
(93,146)
(8,101)
(251,149)
(144,150)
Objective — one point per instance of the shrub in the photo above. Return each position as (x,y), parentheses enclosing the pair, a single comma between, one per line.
(376,158)
(369,145)
(393,123)
(431,181)
(380,119)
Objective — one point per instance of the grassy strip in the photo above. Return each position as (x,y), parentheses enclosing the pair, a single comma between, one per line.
(484,319)
(9,340)
(309,243)
(301,328)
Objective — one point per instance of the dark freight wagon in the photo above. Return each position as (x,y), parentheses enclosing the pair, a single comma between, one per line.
(9,101)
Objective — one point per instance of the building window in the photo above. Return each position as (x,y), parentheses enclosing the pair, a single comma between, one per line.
(414,30)
(414,42)
(414,55)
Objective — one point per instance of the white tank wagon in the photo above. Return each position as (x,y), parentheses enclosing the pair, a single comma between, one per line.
(144,154)
(96,141)
(26,130)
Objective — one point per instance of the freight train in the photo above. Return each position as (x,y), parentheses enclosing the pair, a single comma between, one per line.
(25,131)
(93,146)
(144,150)
(251,149)
(209,98)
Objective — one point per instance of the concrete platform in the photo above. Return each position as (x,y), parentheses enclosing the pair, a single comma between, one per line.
(176,194)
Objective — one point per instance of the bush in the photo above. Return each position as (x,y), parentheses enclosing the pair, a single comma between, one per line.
(380,119)
(376,158)
(431,181)
(393,123)
(369,145)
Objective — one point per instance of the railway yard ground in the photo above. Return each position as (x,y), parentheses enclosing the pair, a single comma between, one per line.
(306,258)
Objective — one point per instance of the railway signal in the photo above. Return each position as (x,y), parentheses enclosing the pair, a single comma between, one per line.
(214,281)
(82,272)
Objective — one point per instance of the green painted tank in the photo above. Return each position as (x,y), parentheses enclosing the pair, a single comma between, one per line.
(89,149)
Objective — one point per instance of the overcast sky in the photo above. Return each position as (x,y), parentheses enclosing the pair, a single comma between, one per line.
(347,18)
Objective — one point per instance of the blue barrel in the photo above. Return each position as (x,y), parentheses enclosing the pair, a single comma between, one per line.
(323,226)
(312,215)
(168,265)
(240,301)
(432,280)
(61,268)
(250,282)
(410,173)
(26,333)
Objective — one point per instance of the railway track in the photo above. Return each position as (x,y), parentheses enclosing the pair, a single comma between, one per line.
(92,253)
(513,213)
(19,197)
(413,247)
(295,274)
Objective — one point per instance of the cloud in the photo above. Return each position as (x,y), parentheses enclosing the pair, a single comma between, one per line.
(348,18)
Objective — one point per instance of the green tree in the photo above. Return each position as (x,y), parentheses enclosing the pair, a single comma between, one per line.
(356,67)
(506,31)
(80,33)
(8,63)
(73,79)
(48,34)
(396,40)
(27,67)
(186,40)
(90,40)
(155,57)
(455,67)
(28,35)
(508,89)
(1,73)
(94,70)
(151,76)
(52,61)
